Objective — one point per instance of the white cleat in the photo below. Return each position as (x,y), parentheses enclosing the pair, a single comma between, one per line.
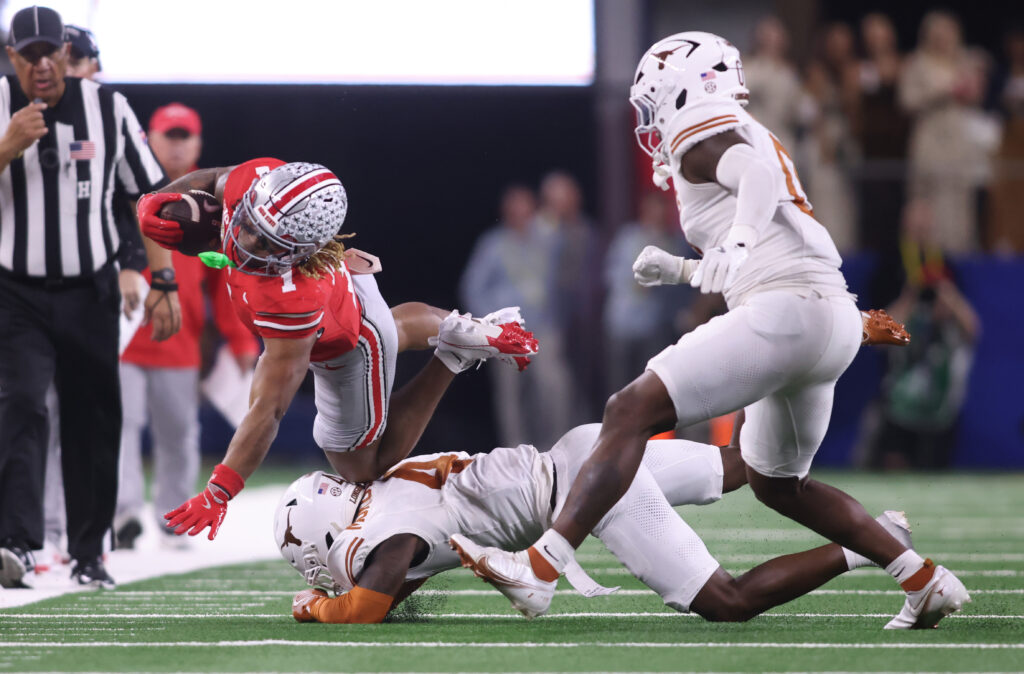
(895,522)
(944,594)
(463,341)
(509,572)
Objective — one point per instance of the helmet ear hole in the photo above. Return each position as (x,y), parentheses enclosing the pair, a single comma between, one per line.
(721,67)
(329,539)
(681,99)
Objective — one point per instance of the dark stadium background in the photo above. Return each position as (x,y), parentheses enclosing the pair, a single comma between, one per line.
(424,167)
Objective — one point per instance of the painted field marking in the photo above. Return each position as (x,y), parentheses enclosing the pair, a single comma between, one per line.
(503,644)
(581,614)
(961,573)
(130,594)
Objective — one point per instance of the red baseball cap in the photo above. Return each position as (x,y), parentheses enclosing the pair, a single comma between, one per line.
(176,116)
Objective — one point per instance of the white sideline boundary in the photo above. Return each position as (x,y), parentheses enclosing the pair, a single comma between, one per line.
(46,645)
(247,535)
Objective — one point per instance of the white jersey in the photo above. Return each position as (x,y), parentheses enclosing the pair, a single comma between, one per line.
(504,499)
(794,252)
(500,499)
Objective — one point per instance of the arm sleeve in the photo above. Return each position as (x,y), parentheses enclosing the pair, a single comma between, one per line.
(138,171)
(238,337)
(358,606)
(742,171)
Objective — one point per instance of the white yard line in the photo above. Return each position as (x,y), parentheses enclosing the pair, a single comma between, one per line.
(142,594)
(245,536)
(504,644)
(584,614)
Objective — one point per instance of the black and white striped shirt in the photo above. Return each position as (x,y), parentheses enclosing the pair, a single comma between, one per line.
(56,201)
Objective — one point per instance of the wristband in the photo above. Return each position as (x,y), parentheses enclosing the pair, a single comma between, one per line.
(163,286)
(227,479)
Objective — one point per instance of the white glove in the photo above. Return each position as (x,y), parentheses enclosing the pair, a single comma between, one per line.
(717,270)
(655,267)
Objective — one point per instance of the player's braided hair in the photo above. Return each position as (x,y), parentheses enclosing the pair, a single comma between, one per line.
(326,260)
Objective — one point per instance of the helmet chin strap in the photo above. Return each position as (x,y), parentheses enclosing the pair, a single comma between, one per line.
(662,172)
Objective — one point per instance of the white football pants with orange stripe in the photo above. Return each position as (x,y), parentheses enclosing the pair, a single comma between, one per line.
(354,389)
(642,530)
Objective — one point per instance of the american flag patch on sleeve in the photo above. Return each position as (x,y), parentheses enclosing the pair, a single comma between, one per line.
(83,149)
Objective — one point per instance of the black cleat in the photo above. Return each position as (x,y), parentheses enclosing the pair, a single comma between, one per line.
(92,573)
(15,561)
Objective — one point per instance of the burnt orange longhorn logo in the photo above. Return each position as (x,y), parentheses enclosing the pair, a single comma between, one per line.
(289,537)
(663,55)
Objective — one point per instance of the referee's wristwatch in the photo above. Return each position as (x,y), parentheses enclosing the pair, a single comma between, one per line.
(163,279)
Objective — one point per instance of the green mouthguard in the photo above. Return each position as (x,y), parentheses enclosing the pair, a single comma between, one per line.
(216,260)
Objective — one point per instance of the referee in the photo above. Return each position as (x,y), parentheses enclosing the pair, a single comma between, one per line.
(65,145)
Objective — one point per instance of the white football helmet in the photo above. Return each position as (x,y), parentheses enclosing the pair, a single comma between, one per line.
(679,71)
(285,216)
(310,515)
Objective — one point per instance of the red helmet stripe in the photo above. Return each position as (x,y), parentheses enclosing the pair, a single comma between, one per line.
(302,188)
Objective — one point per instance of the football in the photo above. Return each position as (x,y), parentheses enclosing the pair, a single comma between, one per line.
(199,215)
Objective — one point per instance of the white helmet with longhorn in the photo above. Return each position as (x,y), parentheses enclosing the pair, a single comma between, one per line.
(678,72)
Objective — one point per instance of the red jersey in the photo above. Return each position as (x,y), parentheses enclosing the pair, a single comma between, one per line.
(291,306)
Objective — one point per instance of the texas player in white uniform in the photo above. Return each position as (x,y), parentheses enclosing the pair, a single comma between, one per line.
(289,280)
(373,544)
(790,332)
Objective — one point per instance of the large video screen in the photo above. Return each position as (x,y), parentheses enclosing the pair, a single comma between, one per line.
(437,42)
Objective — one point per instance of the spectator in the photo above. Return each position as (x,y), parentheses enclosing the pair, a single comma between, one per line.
(941,87)
(774,85)
(1006,228)
(882,133)
(514,264)
(638,321)
(57,273)
(830,149)
(924,385)
(561,221)
(160,380)
(84,59)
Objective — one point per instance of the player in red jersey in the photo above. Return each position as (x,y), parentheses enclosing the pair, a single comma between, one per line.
(290,282)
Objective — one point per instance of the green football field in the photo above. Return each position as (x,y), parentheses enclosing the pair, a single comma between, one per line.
(239,618)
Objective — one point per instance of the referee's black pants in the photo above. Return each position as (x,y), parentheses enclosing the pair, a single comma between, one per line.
(68,333)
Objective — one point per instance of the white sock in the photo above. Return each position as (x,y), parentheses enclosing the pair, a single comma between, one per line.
(905,566)
(553,547)
(855,560)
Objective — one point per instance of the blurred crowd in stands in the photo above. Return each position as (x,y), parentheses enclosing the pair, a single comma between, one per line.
(912,159)
(871,128)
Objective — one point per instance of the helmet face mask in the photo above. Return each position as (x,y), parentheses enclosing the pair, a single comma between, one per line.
(677,72)
(284,218)
(258,252)
(311,514)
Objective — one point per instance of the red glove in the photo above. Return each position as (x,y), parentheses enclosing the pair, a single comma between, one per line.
(167,233)
(208,508)
(303,603)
